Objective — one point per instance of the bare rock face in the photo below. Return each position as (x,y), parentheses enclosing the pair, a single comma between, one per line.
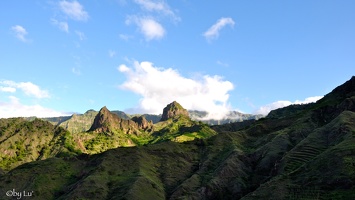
(105,121)
(143,123)
(172,110)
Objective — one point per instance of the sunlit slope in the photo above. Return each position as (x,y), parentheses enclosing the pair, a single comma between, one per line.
(303,152)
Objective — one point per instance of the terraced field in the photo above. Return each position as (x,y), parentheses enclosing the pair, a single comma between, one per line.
(296,159)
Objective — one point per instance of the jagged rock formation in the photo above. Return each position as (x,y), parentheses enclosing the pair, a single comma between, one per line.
(305,152)
(172,110)
(82,122)
(143,123)
(108,122)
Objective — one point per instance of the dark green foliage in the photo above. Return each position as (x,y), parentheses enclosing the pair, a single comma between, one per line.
(302,152)
(24,141)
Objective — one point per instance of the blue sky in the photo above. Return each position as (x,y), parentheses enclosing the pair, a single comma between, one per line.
(60,57)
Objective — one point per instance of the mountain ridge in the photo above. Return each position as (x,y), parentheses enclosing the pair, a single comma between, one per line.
(298,152)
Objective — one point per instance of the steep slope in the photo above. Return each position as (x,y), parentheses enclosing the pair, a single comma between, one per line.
(313,157)
(173,110)
(176,125)
(79,123)
(106,121)
(305,152)
(23,141)
(110,131)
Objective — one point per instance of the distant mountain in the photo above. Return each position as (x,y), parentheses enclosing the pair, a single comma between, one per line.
(121,114)
(297,152)
(82,122)
(56,120)
(232,116)
(108,130)
(79,122)
(151,117)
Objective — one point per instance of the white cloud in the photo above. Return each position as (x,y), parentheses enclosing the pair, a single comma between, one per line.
(28,88)
(213,31)
(264,110)
(7,89)
(74,10)
(150,28)
(159,87)
(20,32)
(159,6)
(63,26)
(14,108)
(81,35)
(308,100)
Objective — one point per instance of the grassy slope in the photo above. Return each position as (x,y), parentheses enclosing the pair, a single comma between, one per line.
(23,141)
(179,129)
(79,123)
(305,153)
(291,159)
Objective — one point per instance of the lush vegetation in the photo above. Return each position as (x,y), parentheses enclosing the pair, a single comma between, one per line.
(301,152)
(23,141)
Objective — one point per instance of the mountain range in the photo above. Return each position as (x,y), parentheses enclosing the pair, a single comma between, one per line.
(297,152)
(81,122)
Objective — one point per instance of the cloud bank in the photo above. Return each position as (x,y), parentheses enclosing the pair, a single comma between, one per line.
(264,110)
(213,31)
(14,108)
(159,87)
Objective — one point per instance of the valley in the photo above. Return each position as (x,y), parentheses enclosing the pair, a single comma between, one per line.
(296,152)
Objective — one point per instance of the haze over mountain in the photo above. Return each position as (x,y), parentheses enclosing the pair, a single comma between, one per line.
(82,122)
(297,152)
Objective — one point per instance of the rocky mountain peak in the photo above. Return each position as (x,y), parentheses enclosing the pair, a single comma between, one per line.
(143,123)
(103,120)
(172,110)
(106,121)
(104,110)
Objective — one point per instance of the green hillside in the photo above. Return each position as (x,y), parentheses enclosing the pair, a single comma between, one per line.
(297,152)
(79,123)
(23,141)
(109,131)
